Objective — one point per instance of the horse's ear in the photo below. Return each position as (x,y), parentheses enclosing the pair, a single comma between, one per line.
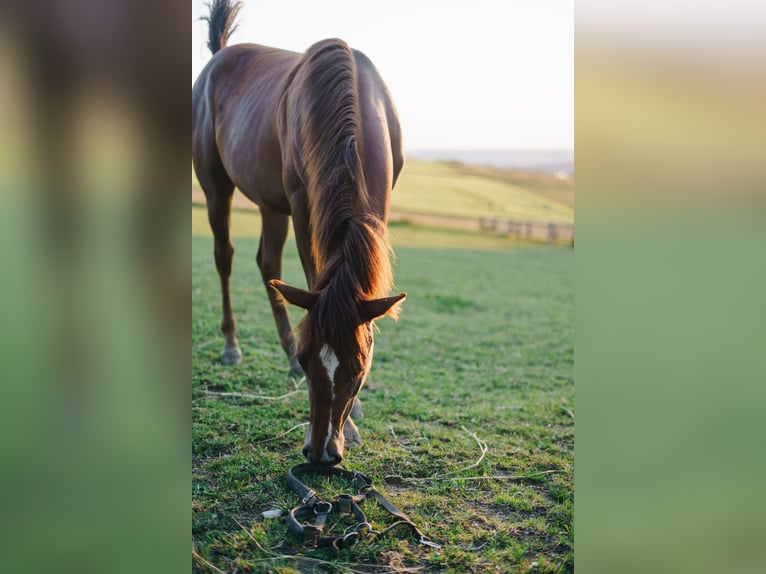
(378,307)
(293,295)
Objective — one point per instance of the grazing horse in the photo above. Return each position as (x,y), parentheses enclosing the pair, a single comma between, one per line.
(314,136)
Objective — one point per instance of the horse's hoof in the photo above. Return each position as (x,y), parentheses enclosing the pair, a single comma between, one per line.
(296,371)
(231,356)
(356,410)
(351,435)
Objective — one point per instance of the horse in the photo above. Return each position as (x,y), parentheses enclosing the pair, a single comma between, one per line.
(316,137)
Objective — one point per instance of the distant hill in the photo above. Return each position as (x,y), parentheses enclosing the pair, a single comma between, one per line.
(556,187)
(543,161)
(459,190)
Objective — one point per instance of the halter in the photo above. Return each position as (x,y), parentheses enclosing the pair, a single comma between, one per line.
(312,506)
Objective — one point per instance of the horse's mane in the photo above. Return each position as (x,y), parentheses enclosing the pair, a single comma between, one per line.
(349,243)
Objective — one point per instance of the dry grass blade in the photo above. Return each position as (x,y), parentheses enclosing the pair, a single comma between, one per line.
(486,477)
(201,559)
(482,446)
(252,397)
(393,434)
(280,435)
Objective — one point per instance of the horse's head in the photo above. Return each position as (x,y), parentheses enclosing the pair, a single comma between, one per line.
(336,355)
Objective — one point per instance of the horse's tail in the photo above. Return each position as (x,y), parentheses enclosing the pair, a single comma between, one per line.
(221,22)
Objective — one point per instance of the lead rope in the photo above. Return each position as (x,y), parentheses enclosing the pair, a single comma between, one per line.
(313,506)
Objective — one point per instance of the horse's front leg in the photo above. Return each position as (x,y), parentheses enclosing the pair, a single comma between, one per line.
(273,236)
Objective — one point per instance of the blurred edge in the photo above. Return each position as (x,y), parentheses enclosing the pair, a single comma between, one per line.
(671,164)
(94,294)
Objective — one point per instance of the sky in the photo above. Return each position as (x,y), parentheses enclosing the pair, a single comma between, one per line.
(484,74)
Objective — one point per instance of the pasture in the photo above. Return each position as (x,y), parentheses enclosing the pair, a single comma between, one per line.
(469,413)
(458,190)
(454,189)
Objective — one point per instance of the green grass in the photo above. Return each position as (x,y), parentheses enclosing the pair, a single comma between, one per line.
(552,187)
(247,223)
(457,190)
(484,346)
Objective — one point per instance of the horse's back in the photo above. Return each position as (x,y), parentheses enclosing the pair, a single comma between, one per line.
(235,121)
(243,74)
(235,103)
(231,74)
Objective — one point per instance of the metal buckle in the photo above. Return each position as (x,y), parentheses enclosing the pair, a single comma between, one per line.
(322,507)
(351,538)
(309,498)
(344,502)
(362,481)
(426,542)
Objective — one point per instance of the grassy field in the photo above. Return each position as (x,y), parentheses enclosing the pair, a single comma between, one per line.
(247,223)
(482,355)
(454,189)
(465,191)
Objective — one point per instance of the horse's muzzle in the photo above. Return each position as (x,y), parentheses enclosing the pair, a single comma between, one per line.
(331,459)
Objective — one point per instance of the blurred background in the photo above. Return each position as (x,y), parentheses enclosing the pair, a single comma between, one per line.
(670,158)
(94,284)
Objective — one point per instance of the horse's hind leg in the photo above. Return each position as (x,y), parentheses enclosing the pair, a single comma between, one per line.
(356,410)
(351,434)
(219,194)
(273,236)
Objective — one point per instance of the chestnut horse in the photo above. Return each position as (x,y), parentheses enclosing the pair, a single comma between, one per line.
(314,136)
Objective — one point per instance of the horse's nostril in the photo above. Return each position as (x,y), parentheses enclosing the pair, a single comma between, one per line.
(332,454)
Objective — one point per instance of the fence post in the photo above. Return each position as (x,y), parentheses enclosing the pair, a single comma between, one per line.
(552,232)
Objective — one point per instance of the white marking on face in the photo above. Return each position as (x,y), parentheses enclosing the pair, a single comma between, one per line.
(329,435)
(329,362)
(325,456)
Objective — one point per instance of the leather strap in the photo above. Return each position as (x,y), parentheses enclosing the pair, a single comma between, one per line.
(312,506)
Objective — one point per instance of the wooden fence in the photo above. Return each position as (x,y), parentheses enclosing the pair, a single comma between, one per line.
(534,231)
(559,233)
